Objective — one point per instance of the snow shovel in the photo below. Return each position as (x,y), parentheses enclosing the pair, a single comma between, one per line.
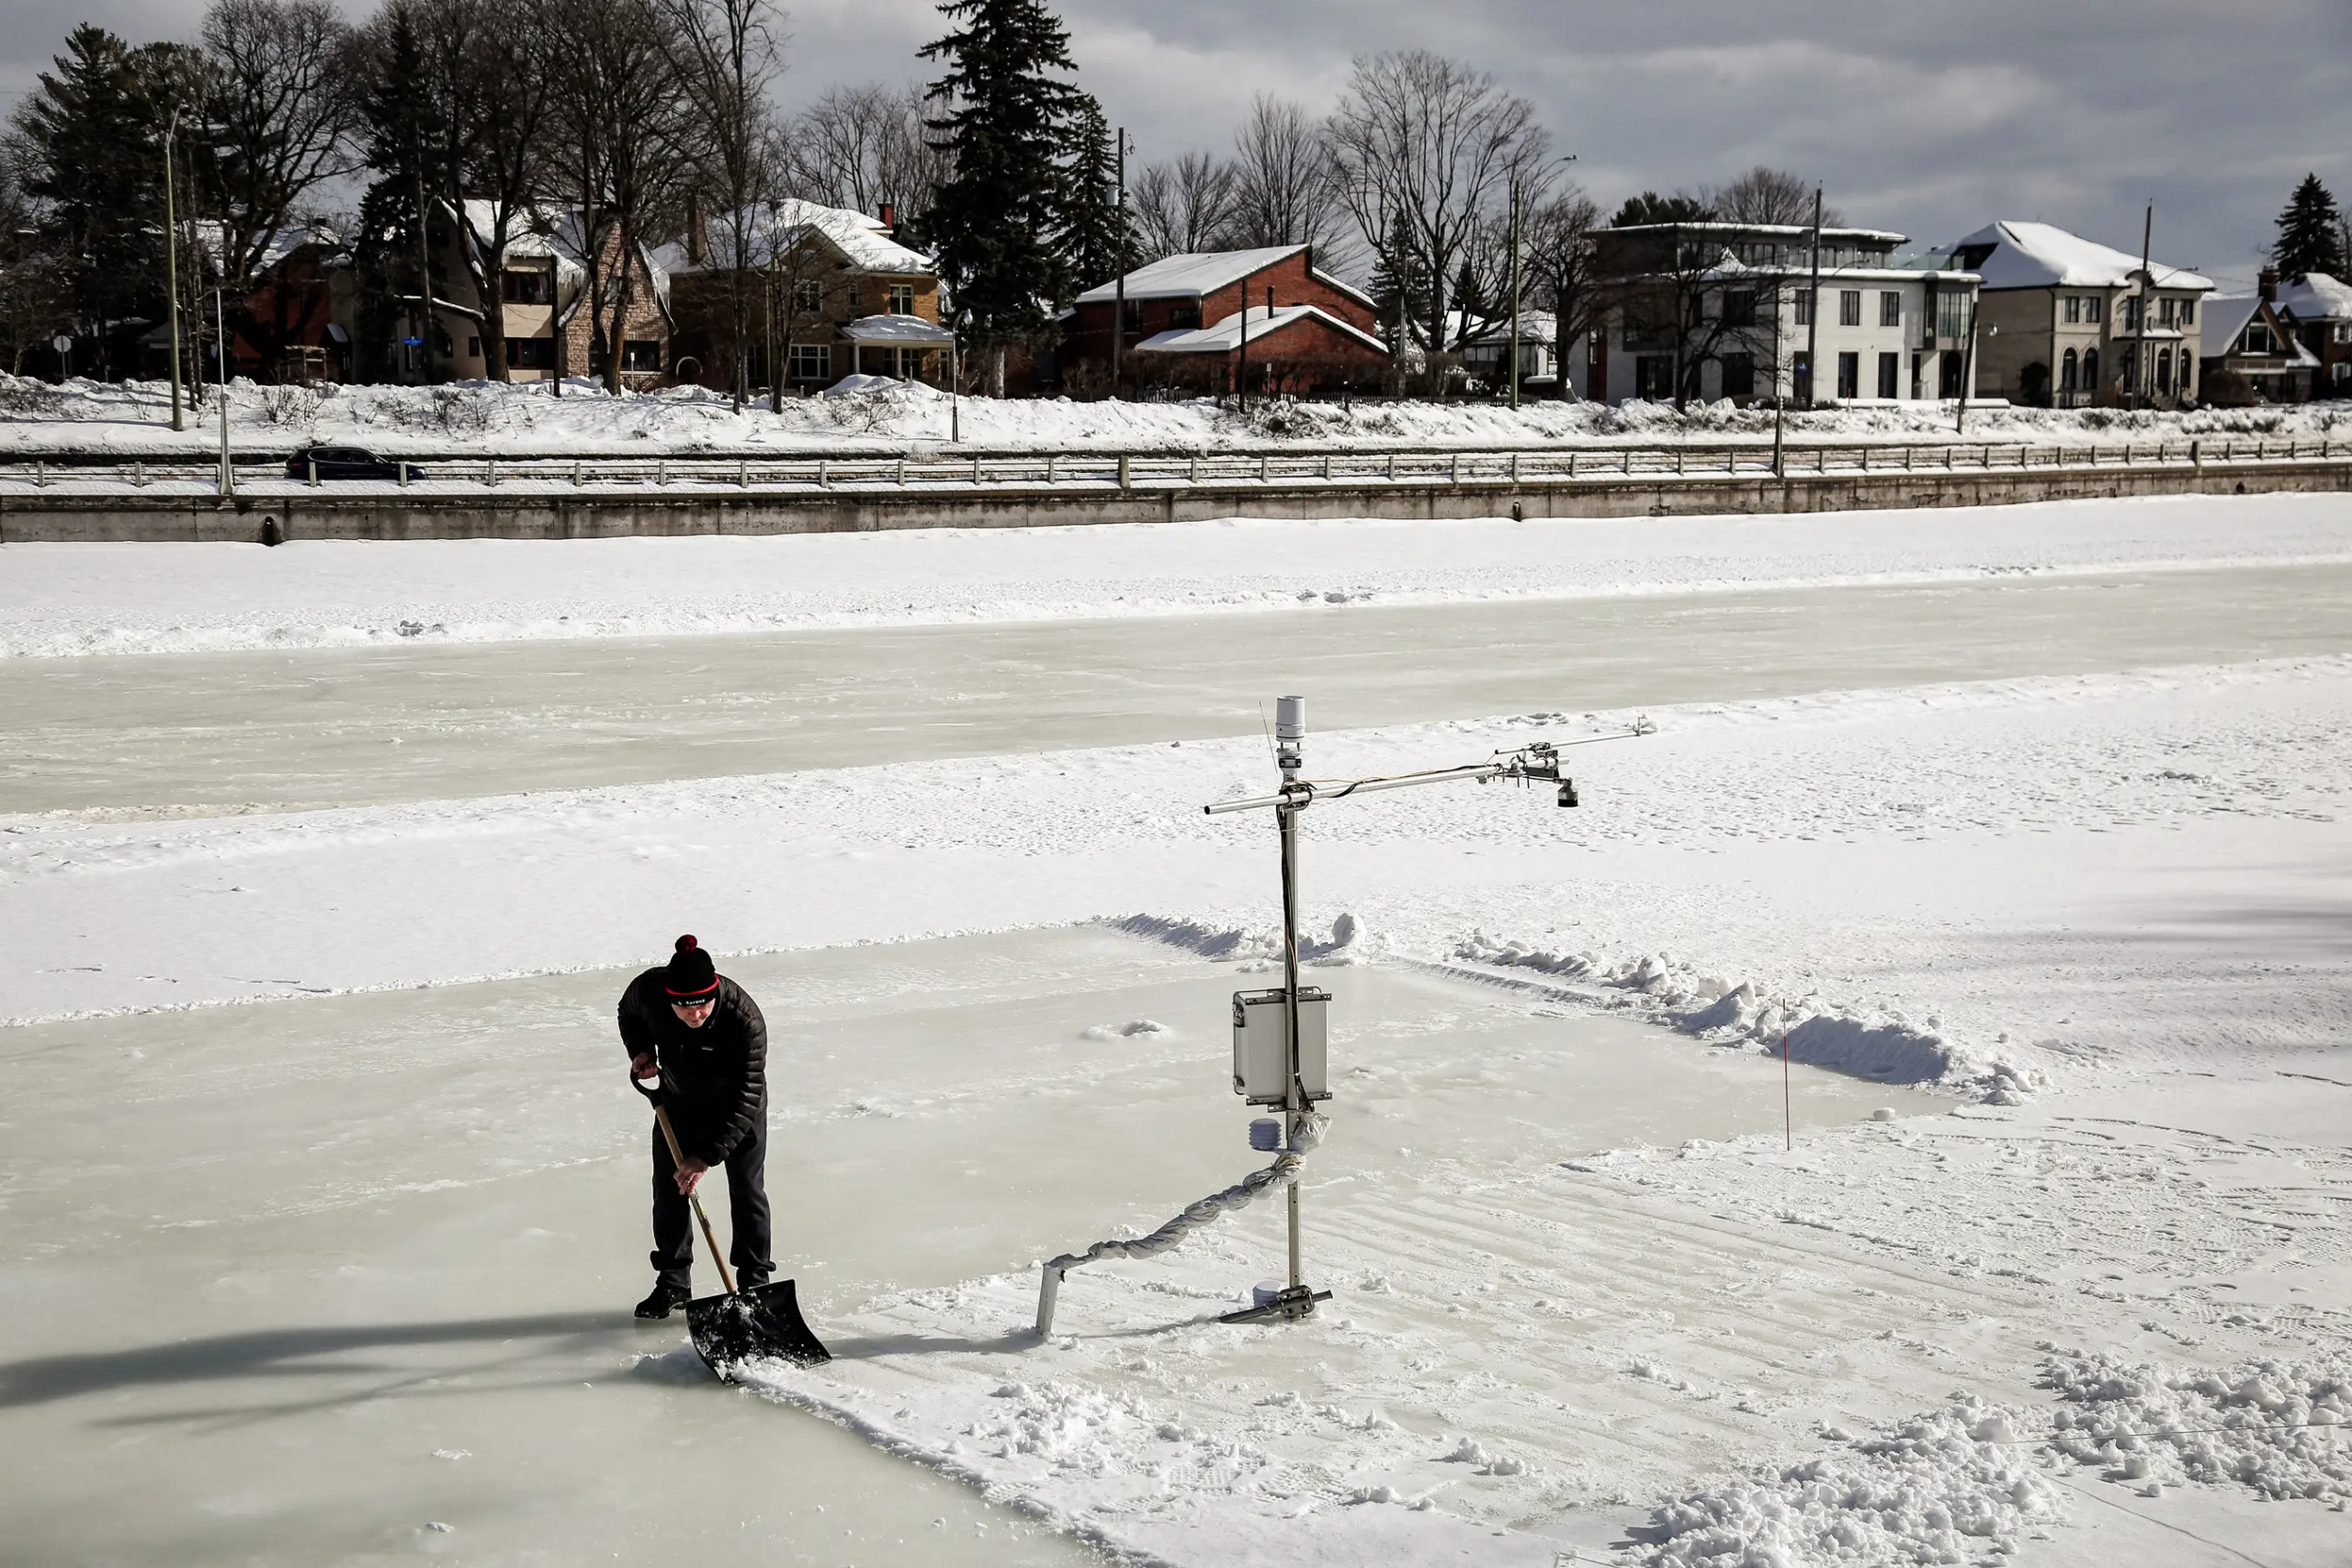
(742,1326)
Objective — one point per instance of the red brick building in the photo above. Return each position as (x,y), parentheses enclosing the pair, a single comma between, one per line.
(1184,326)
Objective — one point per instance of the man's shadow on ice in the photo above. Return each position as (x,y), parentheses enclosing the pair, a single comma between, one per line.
(304,1353)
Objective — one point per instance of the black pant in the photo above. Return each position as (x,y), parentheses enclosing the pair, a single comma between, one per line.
(747,1201)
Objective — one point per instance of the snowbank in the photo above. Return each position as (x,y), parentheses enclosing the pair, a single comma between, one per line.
(158,598)
(877,414)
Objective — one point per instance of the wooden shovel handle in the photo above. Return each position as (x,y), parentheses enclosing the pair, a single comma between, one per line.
(678,1158)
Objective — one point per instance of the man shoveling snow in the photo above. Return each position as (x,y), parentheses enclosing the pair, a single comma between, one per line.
(705,1038)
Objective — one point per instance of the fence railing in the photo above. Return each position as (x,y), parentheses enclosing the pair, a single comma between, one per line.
(935,472)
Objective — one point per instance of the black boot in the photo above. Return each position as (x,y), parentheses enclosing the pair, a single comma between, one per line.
(666,1299)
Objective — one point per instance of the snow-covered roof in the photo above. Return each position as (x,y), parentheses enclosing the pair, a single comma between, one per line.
(2043,256)
(1225,337)
(2226,316)
(772,230)
(1192,274)
(2317,297)
(1772,231)
(899,330)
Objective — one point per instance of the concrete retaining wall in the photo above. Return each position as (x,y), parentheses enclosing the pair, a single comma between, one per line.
(296,513)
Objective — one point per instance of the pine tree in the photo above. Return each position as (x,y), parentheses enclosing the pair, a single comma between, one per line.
(399,130)
(2310,233)
(94,129)
(1003,124)
(1651,208)
(1097,238)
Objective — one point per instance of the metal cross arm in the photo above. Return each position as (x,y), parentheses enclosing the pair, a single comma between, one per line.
(1536,762)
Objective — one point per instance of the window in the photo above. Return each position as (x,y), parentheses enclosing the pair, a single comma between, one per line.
(530,353)
(473,347)
(1849,366)
(2163,313)
(2187,313)
(2340,371)
(1740,307)
(1131,316)
(807,296)
(2073,307)
(2130,377)
(1890,370)
(2258,336)
(1849,307)
(1890,306)
(640,353)
(2344,332)
(1919,386)
(2090,369)
(2070,371)
(901,299)
(2131,313)
(1654,377)
(1805,307)
(1952,315)
(2164,370)
(812,362)
(519,287)
(2093,309)
(1739,373)
(1185,318)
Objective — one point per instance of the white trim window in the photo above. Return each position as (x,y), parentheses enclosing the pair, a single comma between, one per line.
(1890,308)
(1849,307)
(812,362)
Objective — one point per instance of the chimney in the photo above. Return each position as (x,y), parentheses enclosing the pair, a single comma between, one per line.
(889,216)
(697,241)
(2265,283)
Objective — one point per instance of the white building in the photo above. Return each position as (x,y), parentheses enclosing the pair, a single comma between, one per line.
(2062,319)
(1715,309)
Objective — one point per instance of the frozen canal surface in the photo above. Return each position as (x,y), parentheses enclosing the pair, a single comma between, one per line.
(349,1269)
(332,727)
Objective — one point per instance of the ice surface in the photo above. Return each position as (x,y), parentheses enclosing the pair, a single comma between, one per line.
(189,734)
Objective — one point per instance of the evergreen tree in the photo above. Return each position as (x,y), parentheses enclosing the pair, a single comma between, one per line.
(2311,233)
(1002,120)
(1651,208)
(1098,240)
(400,132)
(93,133)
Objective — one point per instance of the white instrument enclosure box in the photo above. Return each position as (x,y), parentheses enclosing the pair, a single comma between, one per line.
(1261,1044)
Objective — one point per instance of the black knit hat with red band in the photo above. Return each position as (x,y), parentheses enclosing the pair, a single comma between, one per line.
(690,976)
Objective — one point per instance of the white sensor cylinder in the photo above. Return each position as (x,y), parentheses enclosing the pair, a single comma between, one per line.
(1290,719)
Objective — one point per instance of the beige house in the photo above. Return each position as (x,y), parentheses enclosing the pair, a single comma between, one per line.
(828,292)
(544,298)
(2061,325)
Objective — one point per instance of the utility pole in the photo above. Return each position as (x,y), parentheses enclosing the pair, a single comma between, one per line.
(1514,292)
(220,346)
(172,265)
(1119,299)
(1813,312)
(1241,377)
(424,273)
(2142,382)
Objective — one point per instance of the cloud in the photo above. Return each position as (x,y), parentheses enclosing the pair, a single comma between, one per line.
(1927,120)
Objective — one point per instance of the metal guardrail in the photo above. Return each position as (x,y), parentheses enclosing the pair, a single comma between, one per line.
(935,473)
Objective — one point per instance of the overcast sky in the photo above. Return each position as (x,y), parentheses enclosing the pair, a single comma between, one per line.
(1932,120)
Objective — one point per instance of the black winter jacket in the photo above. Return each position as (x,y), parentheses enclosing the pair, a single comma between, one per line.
(714,1079)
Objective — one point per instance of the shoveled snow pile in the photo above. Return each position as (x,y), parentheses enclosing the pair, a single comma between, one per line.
(876,414)
(1953,1482)
(1887,1045)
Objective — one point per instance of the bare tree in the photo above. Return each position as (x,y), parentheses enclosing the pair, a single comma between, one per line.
(1182,206)
(1286,187)
(627,122)
(282,97)
(1764,195)
(1426,149)
(1559,272)
(864,147)
(1679,292)
(727,52)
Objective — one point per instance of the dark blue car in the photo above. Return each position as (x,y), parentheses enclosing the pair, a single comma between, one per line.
(348,463)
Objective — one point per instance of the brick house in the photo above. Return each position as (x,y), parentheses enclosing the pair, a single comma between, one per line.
(2319,309)
(828,292)
(1185,325)
(2061,324)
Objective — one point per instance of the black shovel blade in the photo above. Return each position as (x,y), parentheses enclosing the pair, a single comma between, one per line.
(762,1323)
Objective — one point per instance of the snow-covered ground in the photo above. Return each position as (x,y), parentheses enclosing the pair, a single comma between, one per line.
(168,598)
(2079,1295)
(133,419)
